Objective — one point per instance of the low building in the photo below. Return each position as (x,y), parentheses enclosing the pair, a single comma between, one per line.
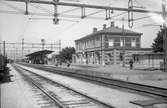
(108,46)
(149,60)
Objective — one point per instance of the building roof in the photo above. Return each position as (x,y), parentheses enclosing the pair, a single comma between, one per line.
(115,30)
(119,48)
(151,53)
(39,53)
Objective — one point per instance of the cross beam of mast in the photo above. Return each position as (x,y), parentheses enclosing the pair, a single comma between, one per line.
(85,6)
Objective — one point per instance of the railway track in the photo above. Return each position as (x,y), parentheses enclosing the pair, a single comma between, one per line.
(155,92)
(61,95)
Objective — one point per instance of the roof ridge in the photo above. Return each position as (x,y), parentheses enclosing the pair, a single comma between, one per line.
(112,30)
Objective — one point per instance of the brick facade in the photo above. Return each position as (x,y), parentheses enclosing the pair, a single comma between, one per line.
(106,46)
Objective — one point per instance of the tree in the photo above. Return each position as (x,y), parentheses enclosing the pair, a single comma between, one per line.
(158,42)
(66,54)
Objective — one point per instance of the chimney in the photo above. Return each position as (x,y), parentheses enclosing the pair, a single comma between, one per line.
(104,26)
(94,30)
(112,24)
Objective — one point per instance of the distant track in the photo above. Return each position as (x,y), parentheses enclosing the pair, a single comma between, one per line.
(59,92)
(152,91)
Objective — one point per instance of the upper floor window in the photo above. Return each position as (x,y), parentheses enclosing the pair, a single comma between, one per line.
(133,43)
(121,42)
(97,38)
(111,42)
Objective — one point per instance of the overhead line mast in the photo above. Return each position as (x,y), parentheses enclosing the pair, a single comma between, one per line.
(55,2)
(109,10)
(164,34)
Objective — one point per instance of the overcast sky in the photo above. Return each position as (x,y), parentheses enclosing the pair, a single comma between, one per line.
(14,27)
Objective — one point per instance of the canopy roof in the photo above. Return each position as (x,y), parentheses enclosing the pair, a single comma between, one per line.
(42,52)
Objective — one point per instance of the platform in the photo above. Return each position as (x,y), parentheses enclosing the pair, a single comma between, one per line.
(147,77)
(116,98)
(16,94)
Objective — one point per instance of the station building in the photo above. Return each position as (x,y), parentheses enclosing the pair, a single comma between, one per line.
(108,46)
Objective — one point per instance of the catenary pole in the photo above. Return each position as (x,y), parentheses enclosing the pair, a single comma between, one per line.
(22,48)
(164,34)
(124,45)
(4,51)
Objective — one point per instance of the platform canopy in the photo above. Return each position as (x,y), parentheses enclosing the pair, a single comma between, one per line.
(42,52)
(39,57)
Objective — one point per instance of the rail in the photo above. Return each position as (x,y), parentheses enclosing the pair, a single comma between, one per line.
(146,89)
(61,103)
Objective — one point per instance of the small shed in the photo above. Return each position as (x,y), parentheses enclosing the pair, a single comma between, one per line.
(39,57)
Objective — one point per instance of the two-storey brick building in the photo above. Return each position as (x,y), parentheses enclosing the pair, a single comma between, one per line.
(108,46)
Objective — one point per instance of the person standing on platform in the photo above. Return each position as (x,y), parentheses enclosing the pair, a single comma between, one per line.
(68,63)
(131,64)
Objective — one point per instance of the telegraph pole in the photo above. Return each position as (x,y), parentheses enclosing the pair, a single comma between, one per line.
(164,35)
(0,47)
(22,47)
(16,54)
(4,48)
(59,45)
(43,43)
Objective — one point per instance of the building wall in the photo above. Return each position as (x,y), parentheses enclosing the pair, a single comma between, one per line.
(117,41)
(94,49)
(112,56)
(149,60)
(108,41)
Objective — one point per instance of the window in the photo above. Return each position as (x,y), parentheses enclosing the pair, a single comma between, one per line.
(133,42)
(97,38)
(111,42)
(121,42)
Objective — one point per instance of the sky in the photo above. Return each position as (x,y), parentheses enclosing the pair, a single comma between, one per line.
(15,27)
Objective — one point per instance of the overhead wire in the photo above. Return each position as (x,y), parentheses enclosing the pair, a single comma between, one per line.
(11,12)
(72,0)
(67,28)
(46,14)
(119,14)
(75,16)
(12,6)
(100,10)
(42,8)
(66,11)
(94,13)
(140,18)
(141,5)
(52,18)
(50,13)
(25,28)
